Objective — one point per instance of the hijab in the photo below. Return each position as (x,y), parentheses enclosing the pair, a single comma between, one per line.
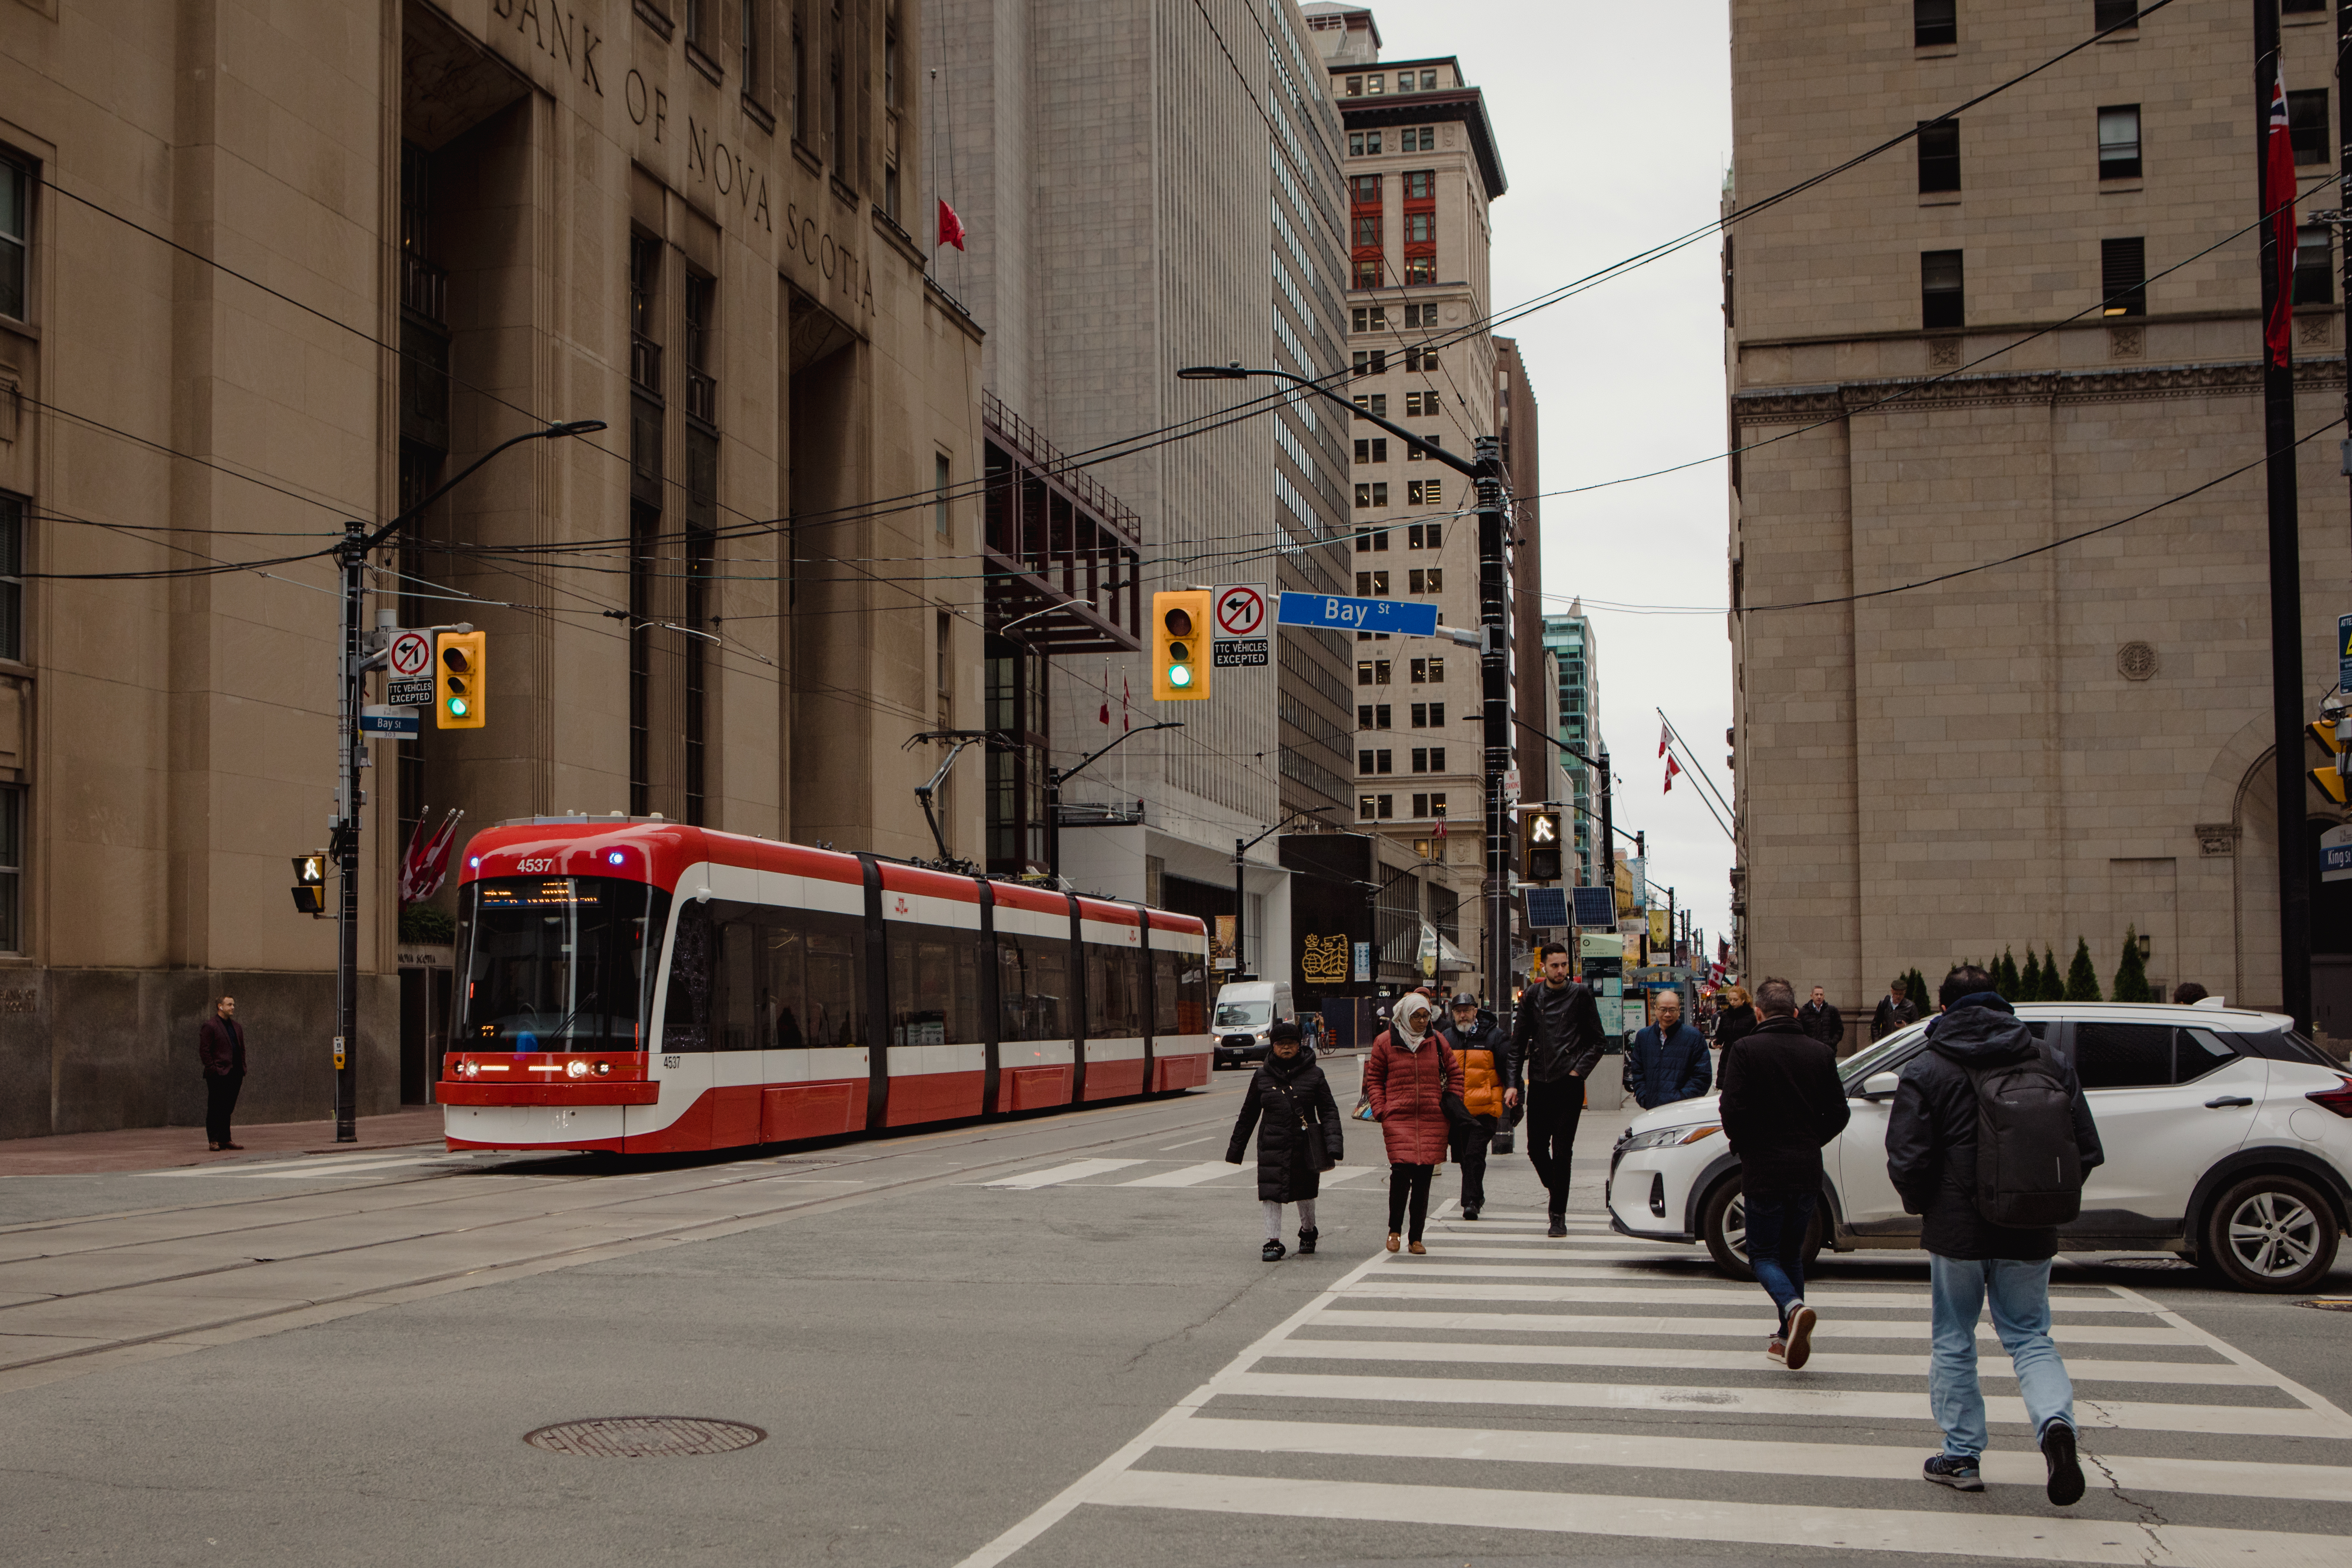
(1409,1025)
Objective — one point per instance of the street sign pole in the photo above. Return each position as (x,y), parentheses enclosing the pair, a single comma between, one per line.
(1494,680)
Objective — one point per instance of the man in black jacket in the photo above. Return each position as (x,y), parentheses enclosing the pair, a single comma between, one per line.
(1896,1011)
(1781,1102)
(1931,1157)
(1821,1021)
(1554,1048)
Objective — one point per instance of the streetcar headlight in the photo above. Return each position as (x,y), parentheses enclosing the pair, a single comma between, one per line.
(575,1068)
(466,1067)
(603,1069)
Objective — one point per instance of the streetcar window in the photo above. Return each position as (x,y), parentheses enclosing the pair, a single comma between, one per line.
(1114,991)
(1166,1001)
(559,962)
(1195,1016)
(748,977)
(1033,987)
(934,986)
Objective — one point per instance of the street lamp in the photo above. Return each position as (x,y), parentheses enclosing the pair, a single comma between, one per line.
(1053,777)
(1242,847)
(1486,469)
(343,825)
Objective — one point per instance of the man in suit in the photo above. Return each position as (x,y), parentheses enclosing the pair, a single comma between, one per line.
(220,1047)
(1896,1011)
(1821,1021)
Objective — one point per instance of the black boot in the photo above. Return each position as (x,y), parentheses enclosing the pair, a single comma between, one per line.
(1307,1234)
(1273,1251)
(1559,1225)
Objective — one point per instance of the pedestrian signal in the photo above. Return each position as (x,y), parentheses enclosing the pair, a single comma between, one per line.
(1539,846)
(1180,645)
(2331,779)
(310,884)
(461,680)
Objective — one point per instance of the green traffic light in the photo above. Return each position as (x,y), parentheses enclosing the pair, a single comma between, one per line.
(457,705)
(1180,674)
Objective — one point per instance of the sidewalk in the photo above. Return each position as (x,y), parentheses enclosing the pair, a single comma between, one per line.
(156,1148)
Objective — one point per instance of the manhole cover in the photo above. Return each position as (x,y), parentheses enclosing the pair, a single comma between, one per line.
(2330,1303)
(644,1437)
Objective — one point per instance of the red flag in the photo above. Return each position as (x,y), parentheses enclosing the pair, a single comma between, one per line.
(950,225)
(1440,824)
(2278,200)
(1662,732)
(1673,767)
(1126,705)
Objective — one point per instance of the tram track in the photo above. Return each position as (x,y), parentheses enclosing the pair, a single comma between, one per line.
(1109,1125)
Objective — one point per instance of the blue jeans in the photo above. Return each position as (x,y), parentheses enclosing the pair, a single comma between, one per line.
(1777,1224)
(2020,1293)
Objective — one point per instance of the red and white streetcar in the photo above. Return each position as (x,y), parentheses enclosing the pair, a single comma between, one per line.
(648,987)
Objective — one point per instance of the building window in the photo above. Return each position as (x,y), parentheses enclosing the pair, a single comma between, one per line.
(1426,671)
(2107,13)
(701,386)
(1355,87)
(1371,672)
(1376,404)
(1366,230)
(1939,155)
(941,477)
(2315,277)
(12,867)
(1372,584)
(2290,6)
(1424,535)
(1934,21)
(1425,492)
(748,21)
(1438,715)
(1420,228)
(1420,185)
(1420,269)
(1364,190)
(1372,451)
(1363,143)
(1417,139)
(1421,360)
(1421,316)
(2306,124)
(1940,292)
(1373,495)
(1366,270)
(12,577)
(1371,319)
(16,235)
(2119,141)
(1372,361)
(2122,276)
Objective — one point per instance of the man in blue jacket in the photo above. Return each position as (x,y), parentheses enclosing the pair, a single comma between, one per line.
(1669,1059)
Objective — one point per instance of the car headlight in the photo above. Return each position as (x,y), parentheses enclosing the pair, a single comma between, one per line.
(1659,1138)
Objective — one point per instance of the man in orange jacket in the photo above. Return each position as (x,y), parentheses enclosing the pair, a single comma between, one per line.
(1482,1049)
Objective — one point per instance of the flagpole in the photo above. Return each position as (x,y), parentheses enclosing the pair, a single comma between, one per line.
(2285,538)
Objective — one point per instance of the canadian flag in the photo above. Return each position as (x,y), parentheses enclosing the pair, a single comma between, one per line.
(1126,705)
(1663,733)
(2278,201)
(426,866)
(950,225)
(1673,767)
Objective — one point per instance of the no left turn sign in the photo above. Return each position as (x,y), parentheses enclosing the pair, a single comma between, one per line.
(1241,610)
(411,655)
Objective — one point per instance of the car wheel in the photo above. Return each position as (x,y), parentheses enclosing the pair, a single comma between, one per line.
(1722,1225)
(2270,1233)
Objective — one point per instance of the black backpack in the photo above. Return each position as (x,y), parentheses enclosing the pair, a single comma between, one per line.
(2029,1167)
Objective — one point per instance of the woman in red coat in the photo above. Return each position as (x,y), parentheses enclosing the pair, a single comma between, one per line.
(1407,1077)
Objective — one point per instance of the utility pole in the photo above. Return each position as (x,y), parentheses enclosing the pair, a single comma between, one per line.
(2285,552)
(1608,867)
(1053,777)
(1241,847)
(1494,680)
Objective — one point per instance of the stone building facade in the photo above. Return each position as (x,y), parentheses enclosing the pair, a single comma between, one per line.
(1985,345)
(285,266)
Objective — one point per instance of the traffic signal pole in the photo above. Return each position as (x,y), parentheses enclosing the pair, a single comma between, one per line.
(343,826)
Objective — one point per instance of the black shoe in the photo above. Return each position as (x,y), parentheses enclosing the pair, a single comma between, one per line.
(2065,1473)
(1960,1475)
(1558,1226)
(1307,1234)
(1273,1252)
(1470,1212)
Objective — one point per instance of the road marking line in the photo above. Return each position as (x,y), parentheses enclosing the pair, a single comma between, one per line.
(1644,1359)
(1189,1176)
(1439,1288)
(1171,1148)
(2092,1415)
(1333,1178)
(1732,1456)
(1055,1175)
(2020,1537)
(1833,1332)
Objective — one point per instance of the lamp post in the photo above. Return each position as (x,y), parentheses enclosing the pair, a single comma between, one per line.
(1053,777)
(1242,847)
(343,825)
(1485,471)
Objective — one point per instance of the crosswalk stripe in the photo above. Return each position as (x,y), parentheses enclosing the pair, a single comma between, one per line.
(2261,1421)
(1516,1242)
(1722,1455)
(1575,1249)
(1055,1175)
(1635,1360)
(2021,1537)
(1191,1175)
(298,1169)
(1346,1173)
(1829,1331)
(1438,1288)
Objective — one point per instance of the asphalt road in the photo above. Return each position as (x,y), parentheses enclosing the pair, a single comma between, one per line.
(1052,1341)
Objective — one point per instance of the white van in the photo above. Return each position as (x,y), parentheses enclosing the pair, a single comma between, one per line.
(1246,1010)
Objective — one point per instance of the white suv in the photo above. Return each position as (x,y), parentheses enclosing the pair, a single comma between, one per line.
(2228,1140)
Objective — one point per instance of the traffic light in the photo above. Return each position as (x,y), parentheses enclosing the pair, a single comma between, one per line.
(310,884)
(1180,645)
(2331,779)
(461,680)
(1539,846)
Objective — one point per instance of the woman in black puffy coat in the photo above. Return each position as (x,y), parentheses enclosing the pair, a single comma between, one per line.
(1299,1139)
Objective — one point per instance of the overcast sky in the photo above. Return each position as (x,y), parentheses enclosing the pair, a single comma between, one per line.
(1602,162)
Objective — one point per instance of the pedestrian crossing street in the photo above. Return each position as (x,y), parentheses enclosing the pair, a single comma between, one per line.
(1510,1387)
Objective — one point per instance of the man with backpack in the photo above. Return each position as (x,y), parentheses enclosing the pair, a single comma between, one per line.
(1989,1141)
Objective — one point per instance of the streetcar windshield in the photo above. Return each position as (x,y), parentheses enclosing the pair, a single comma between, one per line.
(558,963)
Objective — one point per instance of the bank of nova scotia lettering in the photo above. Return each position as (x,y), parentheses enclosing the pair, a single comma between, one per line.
(729,173)
(559,35)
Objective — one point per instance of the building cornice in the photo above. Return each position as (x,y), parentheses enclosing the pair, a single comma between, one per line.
(1785,405)
(1467,104)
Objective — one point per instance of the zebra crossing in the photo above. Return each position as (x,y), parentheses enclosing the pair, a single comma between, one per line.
(1519,1394)
(1095,1173)
(308,1167)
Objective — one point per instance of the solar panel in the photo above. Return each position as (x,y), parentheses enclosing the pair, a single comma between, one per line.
(1547,908)
(1597,907)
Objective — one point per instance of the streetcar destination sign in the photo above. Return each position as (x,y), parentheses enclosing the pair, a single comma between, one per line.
(1396,616)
